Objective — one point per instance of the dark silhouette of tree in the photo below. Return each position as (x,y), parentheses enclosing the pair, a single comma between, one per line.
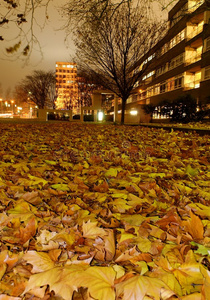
(21,18)
(86,85)
(40,88)
(110,47)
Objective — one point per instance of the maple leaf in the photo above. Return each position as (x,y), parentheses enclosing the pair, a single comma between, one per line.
(23,210)
(91,230)
(63,281)
(194,226)
(32,197)
(138,287)
(39,260)
(100,282)
(28,232)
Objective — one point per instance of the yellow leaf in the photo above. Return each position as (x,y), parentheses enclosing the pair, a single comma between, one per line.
(189,277)
(120,205)
(109,241)
(50,162)
(194,296)
(120,271)
(143,244)
(139,287)
(39,260)
(206,286)
(126,236)
(112,172)
(134,200)
(133,219)
(23,210)
(194,226)
(200,209)
(100,282)
(69,239)
(62,280)
(92,231)
(3,268)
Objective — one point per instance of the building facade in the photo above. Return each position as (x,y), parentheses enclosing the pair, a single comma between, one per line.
(66,86)
(180,63)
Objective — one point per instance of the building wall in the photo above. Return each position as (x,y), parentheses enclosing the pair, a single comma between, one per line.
(181,60)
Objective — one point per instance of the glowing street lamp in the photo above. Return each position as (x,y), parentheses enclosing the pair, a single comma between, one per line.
(100,116)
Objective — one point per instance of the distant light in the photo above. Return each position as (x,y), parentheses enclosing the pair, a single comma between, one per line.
(100,116)
(134,112)
(19,108)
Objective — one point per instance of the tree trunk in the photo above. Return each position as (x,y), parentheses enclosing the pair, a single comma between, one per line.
(123,111)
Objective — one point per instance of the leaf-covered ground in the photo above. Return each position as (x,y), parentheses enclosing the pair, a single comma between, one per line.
(103,212)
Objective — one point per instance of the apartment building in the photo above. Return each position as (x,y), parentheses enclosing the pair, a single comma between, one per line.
(66,86)
(180,62)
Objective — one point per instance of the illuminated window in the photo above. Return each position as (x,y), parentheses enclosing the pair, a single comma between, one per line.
(178,82)
(162,87)
(207,73)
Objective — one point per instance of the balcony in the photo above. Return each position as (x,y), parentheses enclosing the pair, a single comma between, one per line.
(192,85)
(192,60)
(195,32)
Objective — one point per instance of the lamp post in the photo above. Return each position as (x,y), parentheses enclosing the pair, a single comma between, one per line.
(12,101)
(1,103)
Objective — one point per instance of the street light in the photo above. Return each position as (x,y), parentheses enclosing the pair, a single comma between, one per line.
(12,101)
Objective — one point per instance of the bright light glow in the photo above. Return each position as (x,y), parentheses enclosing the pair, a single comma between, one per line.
(19,108)
(6,115)
(100,116)
(134,112)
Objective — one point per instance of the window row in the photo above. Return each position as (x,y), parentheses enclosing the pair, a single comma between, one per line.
(163,87)
(66,81)
(66,66)
(175,62)
(66,76)
(66,71)
(172,43)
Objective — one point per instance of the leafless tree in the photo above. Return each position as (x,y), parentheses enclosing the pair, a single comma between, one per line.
(39,87)
(111,47)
